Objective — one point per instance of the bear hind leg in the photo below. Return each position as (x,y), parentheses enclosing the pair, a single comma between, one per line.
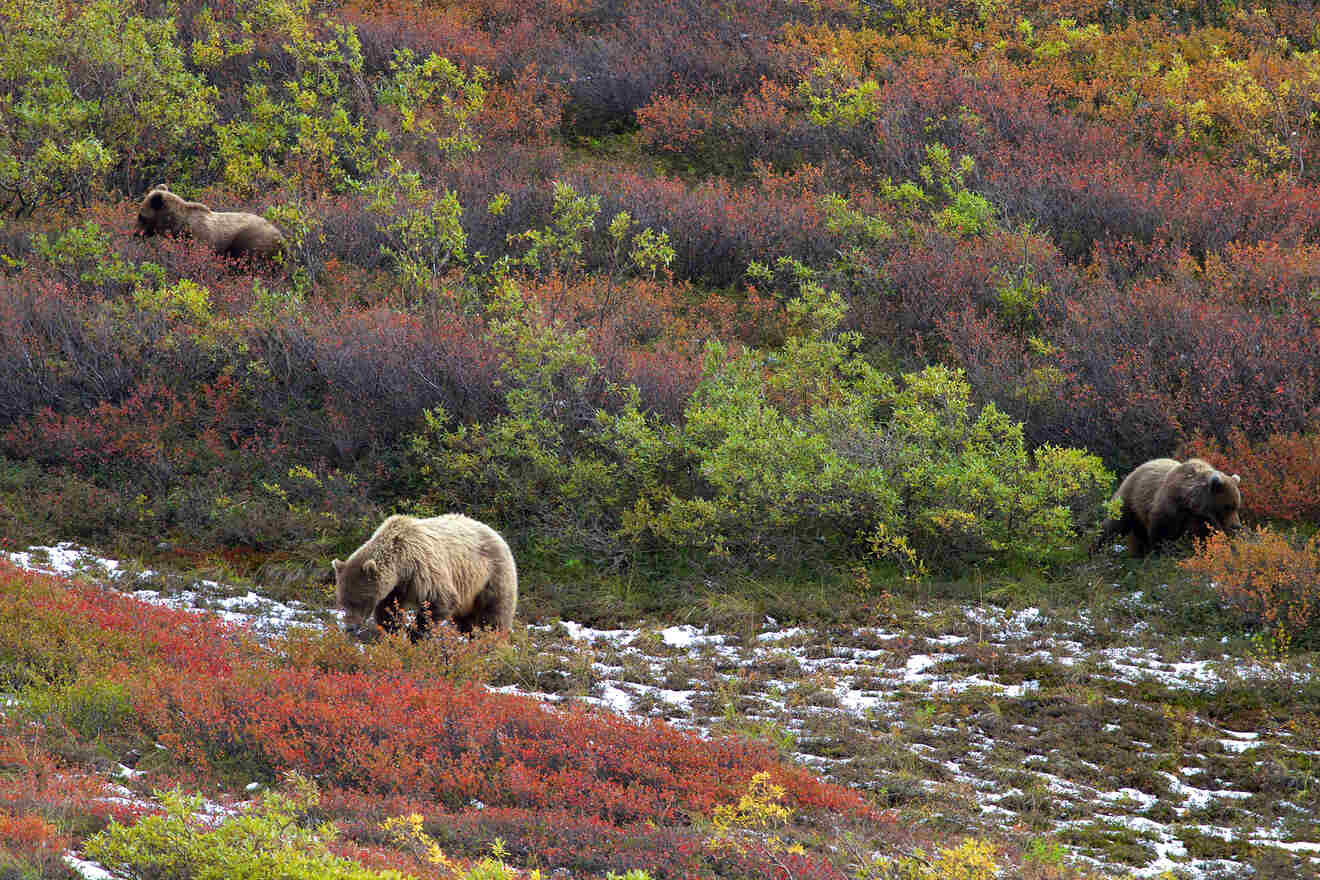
(1166,531)
(247,242)
(497,611)
(491,610)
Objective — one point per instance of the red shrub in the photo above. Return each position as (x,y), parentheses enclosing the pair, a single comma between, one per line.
(1133,373)
(674,123)
(60,630)
(31,837)
(397,734)
(1266,577)
(50,354)
(42,794)
(526,110)
(220,703)
(716,229)
(1280,474)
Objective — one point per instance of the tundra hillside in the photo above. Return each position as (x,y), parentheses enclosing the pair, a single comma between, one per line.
(839,313)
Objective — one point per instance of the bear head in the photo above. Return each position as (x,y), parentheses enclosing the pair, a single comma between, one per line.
(161,211)
(1218,501)
(360,584)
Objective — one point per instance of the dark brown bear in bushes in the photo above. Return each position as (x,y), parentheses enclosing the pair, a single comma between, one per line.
(1164,499)
(445,567)
(231,233)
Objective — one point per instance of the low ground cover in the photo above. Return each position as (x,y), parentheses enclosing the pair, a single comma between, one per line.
(1103,734)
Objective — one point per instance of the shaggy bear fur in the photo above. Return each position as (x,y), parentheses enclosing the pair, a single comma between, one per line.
(445,567)
(231,233)
(1164,499)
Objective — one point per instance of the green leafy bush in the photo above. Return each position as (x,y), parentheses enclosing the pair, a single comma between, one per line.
(308,132)
(92,95)
(808,450)
(539,468)
(318,131)
(82,254)
(89,705)
(795,455)
(274,840)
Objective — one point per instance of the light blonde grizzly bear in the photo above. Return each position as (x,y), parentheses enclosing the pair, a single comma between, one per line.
(1164,499)
(445,567)
(231,233)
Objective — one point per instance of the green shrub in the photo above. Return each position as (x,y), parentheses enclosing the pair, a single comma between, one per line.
(88,705)
(88,90)
(309,120)
(274,840)
(796,455)
(316,132)
(808,450)
(953,206)
(835,96)
(540,468)
(83,254)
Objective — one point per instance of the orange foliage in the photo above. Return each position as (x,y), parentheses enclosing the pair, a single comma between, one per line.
(1280,474)
(29,835)
(1271,581)
(379,727)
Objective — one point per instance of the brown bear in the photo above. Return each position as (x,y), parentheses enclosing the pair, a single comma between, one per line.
(231,233)
(1164,499)
(445,567)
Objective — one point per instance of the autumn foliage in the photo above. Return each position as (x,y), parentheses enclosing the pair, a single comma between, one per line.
(1269,578)
(1283,471)
(666,291)
(380,738)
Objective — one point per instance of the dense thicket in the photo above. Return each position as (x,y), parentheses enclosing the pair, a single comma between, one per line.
(772,283)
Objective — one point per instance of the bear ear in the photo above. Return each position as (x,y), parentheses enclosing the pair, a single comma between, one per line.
(370,567)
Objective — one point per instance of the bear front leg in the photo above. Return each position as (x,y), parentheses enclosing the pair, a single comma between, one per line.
(429,612)
(465,622)
(1167,531)
(423,624)
(1125,524)
(1139,540)
(390,615)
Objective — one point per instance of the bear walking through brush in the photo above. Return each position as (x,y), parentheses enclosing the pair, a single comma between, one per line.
(445,567)
(1163,499)
(231,233)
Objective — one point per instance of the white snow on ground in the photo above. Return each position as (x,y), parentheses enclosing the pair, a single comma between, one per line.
(685,636)
(877,682)
(578,632)
(88,870)
(265,616)
(1295,846)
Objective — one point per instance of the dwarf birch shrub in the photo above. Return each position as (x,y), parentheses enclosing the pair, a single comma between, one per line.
(796,453)
(1269,579)
(538,467)
(784,456)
